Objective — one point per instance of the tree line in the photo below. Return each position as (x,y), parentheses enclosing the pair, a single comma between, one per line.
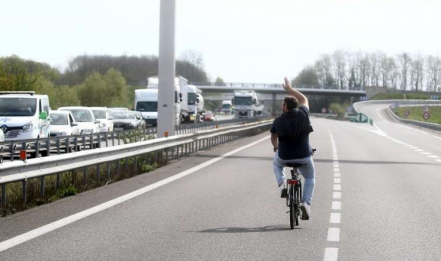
(96,80)
(355,71)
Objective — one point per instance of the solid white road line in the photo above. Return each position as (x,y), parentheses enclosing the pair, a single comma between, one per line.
(331,254)
(5,245)
(378,113)
(335,218)
(334,234)
(336,205)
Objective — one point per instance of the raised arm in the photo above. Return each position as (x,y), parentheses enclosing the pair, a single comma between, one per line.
(298,95)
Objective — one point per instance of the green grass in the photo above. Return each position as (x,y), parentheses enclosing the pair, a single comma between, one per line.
(388,96)
(416,113)
(401,96)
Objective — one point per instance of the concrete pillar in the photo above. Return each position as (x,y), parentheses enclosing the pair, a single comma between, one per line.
(166,86)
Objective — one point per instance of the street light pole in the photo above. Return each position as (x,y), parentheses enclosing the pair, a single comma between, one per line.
(166,85)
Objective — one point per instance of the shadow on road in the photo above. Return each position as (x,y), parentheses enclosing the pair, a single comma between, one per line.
(248,229)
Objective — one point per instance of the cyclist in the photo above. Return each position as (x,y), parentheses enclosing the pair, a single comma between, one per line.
(290,139)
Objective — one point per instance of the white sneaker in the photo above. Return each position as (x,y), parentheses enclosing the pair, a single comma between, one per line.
(283,190)
(306,210)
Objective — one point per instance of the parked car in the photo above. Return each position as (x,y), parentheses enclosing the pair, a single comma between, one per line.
(63,124)
(24,115)
(209,116)
(127,120)
(85,119)
(2,136)
(103,115)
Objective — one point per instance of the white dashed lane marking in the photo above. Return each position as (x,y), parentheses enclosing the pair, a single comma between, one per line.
(335,218)
(334,234)
(336,205)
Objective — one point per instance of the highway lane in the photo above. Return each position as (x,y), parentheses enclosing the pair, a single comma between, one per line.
(374,200)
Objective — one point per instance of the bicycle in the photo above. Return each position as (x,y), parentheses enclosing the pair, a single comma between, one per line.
(294,194)
(294,187)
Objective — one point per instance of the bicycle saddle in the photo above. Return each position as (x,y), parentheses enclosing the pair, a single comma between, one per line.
(294,165)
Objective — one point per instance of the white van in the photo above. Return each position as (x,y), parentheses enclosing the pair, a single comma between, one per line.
(85,119)
(24,115)
(146,102)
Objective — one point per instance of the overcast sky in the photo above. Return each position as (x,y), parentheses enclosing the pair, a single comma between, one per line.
(240,40)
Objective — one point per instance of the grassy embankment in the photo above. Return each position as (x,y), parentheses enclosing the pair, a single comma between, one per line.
(416,113)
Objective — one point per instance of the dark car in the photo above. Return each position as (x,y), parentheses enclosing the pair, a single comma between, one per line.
(127,120)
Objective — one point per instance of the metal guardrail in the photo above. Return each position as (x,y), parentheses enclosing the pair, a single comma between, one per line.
(170,148)
(68,144)
(209,125)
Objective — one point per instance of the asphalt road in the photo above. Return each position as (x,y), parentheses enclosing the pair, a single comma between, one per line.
(376,198)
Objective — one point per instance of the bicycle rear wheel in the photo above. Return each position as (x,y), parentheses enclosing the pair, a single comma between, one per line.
(297,191)
(293,221)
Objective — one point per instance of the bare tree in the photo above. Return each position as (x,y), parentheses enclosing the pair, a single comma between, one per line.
(193,57)
(416,73)
(375,64)
(365,69)
(339,58)
(405,63)
(324,70)
(433,72)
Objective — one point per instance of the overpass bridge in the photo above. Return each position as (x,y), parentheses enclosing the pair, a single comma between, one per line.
(273,94)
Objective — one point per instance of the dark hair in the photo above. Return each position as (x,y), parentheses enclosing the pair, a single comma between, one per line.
(291,102)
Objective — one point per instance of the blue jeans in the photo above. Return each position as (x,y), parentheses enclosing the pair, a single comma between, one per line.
(307,171)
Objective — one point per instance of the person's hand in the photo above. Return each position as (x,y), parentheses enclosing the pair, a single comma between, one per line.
(287,85)
(275,149)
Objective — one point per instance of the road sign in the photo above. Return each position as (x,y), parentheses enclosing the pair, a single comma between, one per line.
(406,113)
(360,118)
(426,115)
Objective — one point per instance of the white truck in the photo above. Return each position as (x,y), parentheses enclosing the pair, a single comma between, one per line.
(246,104)
(227,107)
(146,102)
(189,106)
(153,83)
(200,103)
(24,115)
